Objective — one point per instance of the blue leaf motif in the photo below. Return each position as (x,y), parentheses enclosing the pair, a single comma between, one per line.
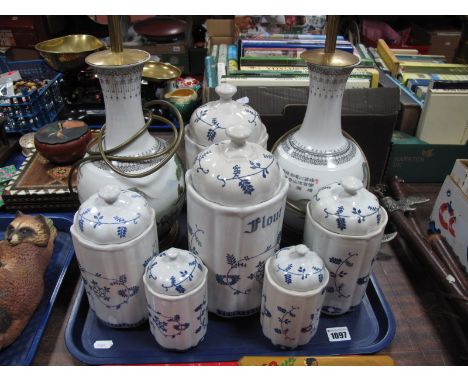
(231,259)
(246,186)
(210,135)
(282,310)
(121,232)
(277,330)
(287,278)
(180,289)
(236,170)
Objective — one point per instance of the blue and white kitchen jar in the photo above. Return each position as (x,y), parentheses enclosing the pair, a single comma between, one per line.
(236,196)
(292,297)
(209,123)
(345,225)
(177,298)
(114,234)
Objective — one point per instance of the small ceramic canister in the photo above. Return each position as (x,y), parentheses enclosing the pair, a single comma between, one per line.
(345,226)
(209,122)
(236,194)
(114,235)
(292,297)
(176,293)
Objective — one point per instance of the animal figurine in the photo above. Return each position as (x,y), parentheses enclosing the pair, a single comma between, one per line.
(24,256)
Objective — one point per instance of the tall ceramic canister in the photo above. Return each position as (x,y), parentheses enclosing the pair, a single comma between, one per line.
(208,123)
(292,297)
(114,234)
(345,225)
(176,295)
(236,196)
(317,153)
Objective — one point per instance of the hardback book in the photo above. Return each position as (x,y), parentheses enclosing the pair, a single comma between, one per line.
(405,77)
(302,81)
(444,117)
(40,186)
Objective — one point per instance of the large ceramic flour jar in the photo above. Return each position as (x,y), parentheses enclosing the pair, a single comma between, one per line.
(209,122)
(318,153)
(236,196)
(293,293)
(345,226)
(176,293)
(114,235)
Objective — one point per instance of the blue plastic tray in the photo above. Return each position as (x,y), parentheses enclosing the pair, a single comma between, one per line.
(22,351)
(371,327)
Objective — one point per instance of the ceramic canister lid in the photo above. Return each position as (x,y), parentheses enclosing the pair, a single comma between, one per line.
(347,208)
(174,272)
(209,122)
(113,216)
(235,172)
(299,269)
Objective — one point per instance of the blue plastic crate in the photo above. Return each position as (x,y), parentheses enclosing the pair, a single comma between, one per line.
(32,110)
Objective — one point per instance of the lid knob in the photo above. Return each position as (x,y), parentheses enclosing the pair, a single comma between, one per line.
(172,255)
(238,134)
(225,91)
(351,184)
(110,193)
(301,250)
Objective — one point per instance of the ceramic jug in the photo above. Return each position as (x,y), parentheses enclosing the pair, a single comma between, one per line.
(236,195)
(345,225)
(114,235)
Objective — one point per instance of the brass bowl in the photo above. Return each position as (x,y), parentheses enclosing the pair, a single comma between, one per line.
(160,72)
(68,53)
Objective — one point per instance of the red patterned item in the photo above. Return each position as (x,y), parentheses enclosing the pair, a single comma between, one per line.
(63,142)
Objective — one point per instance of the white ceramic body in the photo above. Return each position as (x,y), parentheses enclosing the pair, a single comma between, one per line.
(318,154)
(178,322)
(163,189)
(234,243)
(349,260)
(112,275)
(288,318)
(192,149)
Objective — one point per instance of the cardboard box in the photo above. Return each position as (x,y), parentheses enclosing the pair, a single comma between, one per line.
(220,31)
(445,42)
(450,217)
(423,162)
(174,53)
(460,174)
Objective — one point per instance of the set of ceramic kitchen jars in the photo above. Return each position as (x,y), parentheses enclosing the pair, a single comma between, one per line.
(125,277)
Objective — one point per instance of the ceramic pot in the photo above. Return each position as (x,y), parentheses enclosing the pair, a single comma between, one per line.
(114,235)
(292,297)
(318,153)
(209,122)
(184,99)
(345,226)
(235,204)
(164,189)
(176,295)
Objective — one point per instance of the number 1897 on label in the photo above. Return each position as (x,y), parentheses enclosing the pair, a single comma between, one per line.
(338,334)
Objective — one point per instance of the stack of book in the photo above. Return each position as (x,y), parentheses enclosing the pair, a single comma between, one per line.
(440,88)
(275,61)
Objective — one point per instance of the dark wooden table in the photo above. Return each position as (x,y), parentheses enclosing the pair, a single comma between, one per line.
(423,335)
